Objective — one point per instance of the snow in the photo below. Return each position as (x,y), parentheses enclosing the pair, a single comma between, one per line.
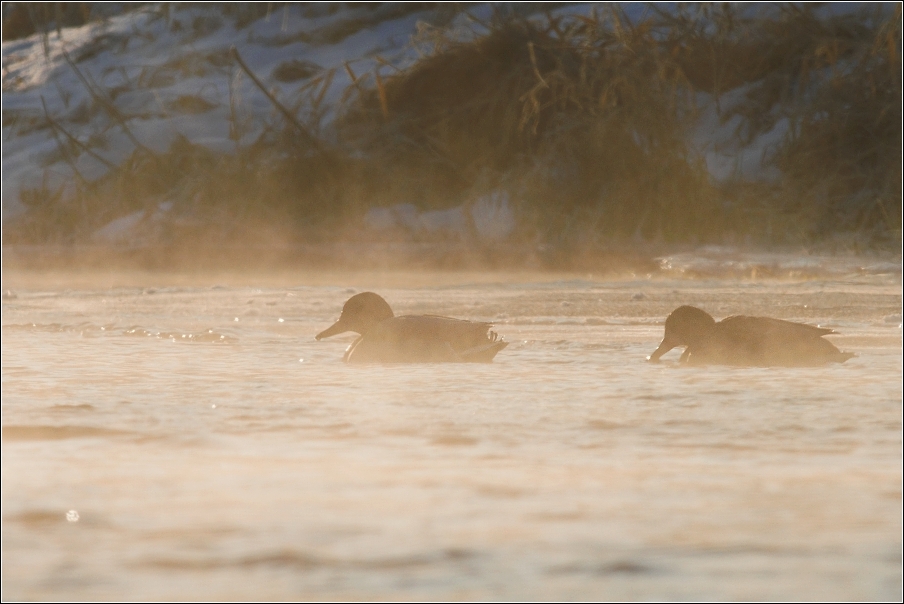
(149,67)
(721,144)
(119,230)
(490,217)
(493,217)
(159,65)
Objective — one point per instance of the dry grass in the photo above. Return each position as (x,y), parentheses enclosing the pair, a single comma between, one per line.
(837,79)
(583,120)
(21,19)
(842,161)
(581,117)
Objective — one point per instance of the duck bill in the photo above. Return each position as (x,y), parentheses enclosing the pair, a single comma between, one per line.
(666,345)
(337,327)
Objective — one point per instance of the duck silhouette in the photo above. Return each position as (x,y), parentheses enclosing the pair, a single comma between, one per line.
(741,340)
(386,338)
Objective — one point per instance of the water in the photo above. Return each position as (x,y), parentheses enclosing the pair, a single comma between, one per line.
(169,438)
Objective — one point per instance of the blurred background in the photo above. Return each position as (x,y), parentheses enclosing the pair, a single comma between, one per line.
(191,192)
(448,134)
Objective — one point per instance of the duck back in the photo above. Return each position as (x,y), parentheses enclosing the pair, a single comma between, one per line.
(426,339)
(764,342)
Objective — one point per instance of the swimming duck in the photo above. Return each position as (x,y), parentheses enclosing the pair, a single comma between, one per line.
(386,338)
(740,340)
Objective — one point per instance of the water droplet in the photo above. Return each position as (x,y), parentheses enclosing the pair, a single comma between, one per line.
(213,406)
(72,516)
(281,321)
(236,319)
(301,360)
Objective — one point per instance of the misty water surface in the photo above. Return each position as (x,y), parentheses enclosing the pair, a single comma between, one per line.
(203,445)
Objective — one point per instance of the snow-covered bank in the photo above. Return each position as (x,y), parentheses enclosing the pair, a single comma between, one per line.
(79,101)
(149,76)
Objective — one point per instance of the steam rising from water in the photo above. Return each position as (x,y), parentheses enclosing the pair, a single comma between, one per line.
(154,447)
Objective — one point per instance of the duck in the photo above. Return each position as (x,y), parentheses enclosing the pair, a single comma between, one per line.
(746,341)
(386,338)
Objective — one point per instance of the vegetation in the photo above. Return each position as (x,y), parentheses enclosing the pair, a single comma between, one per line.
(584,120)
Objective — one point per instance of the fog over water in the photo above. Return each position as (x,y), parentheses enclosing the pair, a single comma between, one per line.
(169,437)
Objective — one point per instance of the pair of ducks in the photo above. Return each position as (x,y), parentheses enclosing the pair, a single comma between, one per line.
(738,340)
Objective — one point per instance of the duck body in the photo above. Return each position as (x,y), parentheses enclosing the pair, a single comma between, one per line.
(746,341)
(385,338)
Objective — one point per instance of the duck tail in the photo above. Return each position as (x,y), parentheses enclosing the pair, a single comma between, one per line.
(841,357)
(483,353)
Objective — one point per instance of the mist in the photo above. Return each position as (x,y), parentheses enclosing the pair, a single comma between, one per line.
(197,404)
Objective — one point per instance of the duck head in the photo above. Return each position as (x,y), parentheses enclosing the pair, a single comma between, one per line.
(684,327)
(360,313)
